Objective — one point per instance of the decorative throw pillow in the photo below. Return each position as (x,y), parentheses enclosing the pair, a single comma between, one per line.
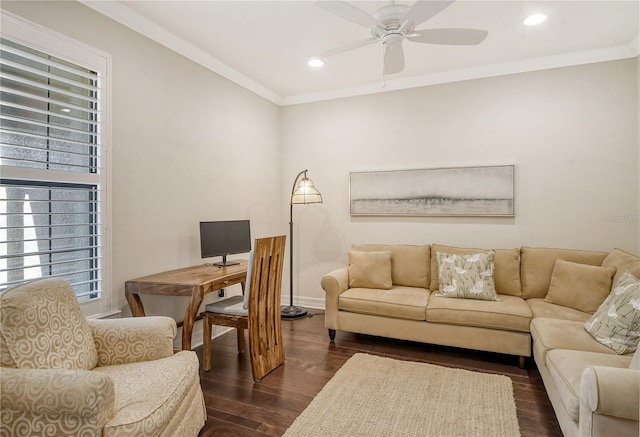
(466,276)
(579,286)
(616,324)
(370,269)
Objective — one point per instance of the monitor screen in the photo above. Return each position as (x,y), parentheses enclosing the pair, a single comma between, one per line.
(222,238)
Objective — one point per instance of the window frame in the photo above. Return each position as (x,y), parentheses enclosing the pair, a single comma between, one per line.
(61,46)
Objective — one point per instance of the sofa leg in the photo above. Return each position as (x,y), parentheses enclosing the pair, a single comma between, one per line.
(522,362)
(332,334)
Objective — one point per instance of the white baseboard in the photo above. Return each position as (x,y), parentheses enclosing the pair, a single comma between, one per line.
(307,302)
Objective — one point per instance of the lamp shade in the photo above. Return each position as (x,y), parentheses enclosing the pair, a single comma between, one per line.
(306,193)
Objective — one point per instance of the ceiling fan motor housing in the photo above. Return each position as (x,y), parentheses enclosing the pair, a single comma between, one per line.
(389,21)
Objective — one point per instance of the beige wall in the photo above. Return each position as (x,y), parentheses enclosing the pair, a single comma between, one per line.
(188,145)
(571,132)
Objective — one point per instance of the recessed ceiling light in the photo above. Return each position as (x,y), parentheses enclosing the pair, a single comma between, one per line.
(535,19)
(315,62)
(65,110)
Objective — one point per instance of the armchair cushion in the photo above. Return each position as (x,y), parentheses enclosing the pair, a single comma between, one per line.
(43,327)
(145,405)
(131,340)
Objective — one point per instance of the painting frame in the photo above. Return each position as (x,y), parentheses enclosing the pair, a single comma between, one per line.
(470,191)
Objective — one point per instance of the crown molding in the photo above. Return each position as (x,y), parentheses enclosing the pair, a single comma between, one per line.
(630,50)
(118,11)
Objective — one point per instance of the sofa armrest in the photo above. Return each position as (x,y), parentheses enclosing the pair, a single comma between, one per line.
(334,283)
(133,339)
(65,398)
(609,393)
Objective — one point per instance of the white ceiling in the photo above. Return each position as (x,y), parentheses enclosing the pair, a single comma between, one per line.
(264,45)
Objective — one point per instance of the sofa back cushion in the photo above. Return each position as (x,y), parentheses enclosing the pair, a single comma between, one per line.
(623,262)
(43,327)
(506,273)
(409,264)
(537,264)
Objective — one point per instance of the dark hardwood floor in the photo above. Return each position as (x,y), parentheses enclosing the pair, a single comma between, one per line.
(238,407)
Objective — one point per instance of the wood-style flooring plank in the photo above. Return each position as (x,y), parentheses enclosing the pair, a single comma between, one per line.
(238,407)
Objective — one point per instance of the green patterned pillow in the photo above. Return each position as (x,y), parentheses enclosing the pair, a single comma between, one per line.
(466,276)
(616,324)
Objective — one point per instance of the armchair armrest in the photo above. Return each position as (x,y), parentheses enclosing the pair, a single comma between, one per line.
(53,396)
(334,283)
(133,339)
(606,394)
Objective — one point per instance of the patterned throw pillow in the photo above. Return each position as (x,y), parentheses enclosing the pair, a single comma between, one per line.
(466,276)
(616,324)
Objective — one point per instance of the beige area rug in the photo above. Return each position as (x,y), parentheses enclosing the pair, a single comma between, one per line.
(377,396)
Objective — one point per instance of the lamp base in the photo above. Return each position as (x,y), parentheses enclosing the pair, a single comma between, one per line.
(291,312)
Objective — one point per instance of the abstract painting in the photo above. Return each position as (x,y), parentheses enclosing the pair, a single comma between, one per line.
(458,191)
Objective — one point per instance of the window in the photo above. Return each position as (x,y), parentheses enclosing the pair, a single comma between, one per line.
(53,190)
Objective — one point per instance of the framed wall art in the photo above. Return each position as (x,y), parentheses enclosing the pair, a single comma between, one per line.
(456,191)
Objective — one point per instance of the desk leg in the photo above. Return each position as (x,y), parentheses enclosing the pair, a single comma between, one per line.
(135,303)
(190,317)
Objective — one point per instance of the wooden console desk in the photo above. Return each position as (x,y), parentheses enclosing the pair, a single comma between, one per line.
(190,281)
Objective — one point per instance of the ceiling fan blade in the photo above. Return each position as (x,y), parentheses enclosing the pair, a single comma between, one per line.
(393,58)
(449,36)
(348,12)
(345,48)
(421,11)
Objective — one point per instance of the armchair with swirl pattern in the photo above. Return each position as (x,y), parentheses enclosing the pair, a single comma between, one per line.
(63,374)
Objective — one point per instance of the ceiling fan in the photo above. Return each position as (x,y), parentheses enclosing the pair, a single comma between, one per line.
(393,23)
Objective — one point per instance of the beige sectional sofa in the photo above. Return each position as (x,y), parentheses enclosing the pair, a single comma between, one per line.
(526,321)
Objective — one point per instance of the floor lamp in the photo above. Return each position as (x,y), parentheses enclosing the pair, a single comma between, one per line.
(303,192)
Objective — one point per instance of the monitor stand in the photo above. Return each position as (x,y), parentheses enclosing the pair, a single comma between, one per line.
(225,263)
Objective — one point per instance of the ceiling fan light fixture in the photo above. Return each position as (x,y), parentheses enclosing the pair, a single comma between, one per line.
(315,62)
(535,19)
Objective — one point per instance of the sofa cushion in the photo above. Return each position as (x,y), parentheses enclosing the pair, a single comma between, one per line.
(506,273)
(466,276)
(398,302)
(510,314)
(622,261)
(579,286)
(536,266)
(43,327)
(549,334)
(540,308)
(616,324)
(409,264)
(370,269)
(565,368)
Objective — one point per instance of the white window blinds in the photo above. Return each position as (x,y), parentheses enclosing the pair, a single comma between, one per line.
(50,140)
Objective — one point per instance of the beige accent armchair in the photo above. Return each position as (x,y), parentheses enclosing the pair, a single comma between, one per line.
(61,374)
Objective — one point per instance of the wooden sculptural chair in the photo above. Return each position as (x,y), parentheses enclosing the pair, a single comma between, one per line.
(258,310)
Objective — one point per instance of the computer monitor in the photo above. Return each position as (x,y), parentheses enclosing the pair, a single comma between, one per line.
(222,238)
